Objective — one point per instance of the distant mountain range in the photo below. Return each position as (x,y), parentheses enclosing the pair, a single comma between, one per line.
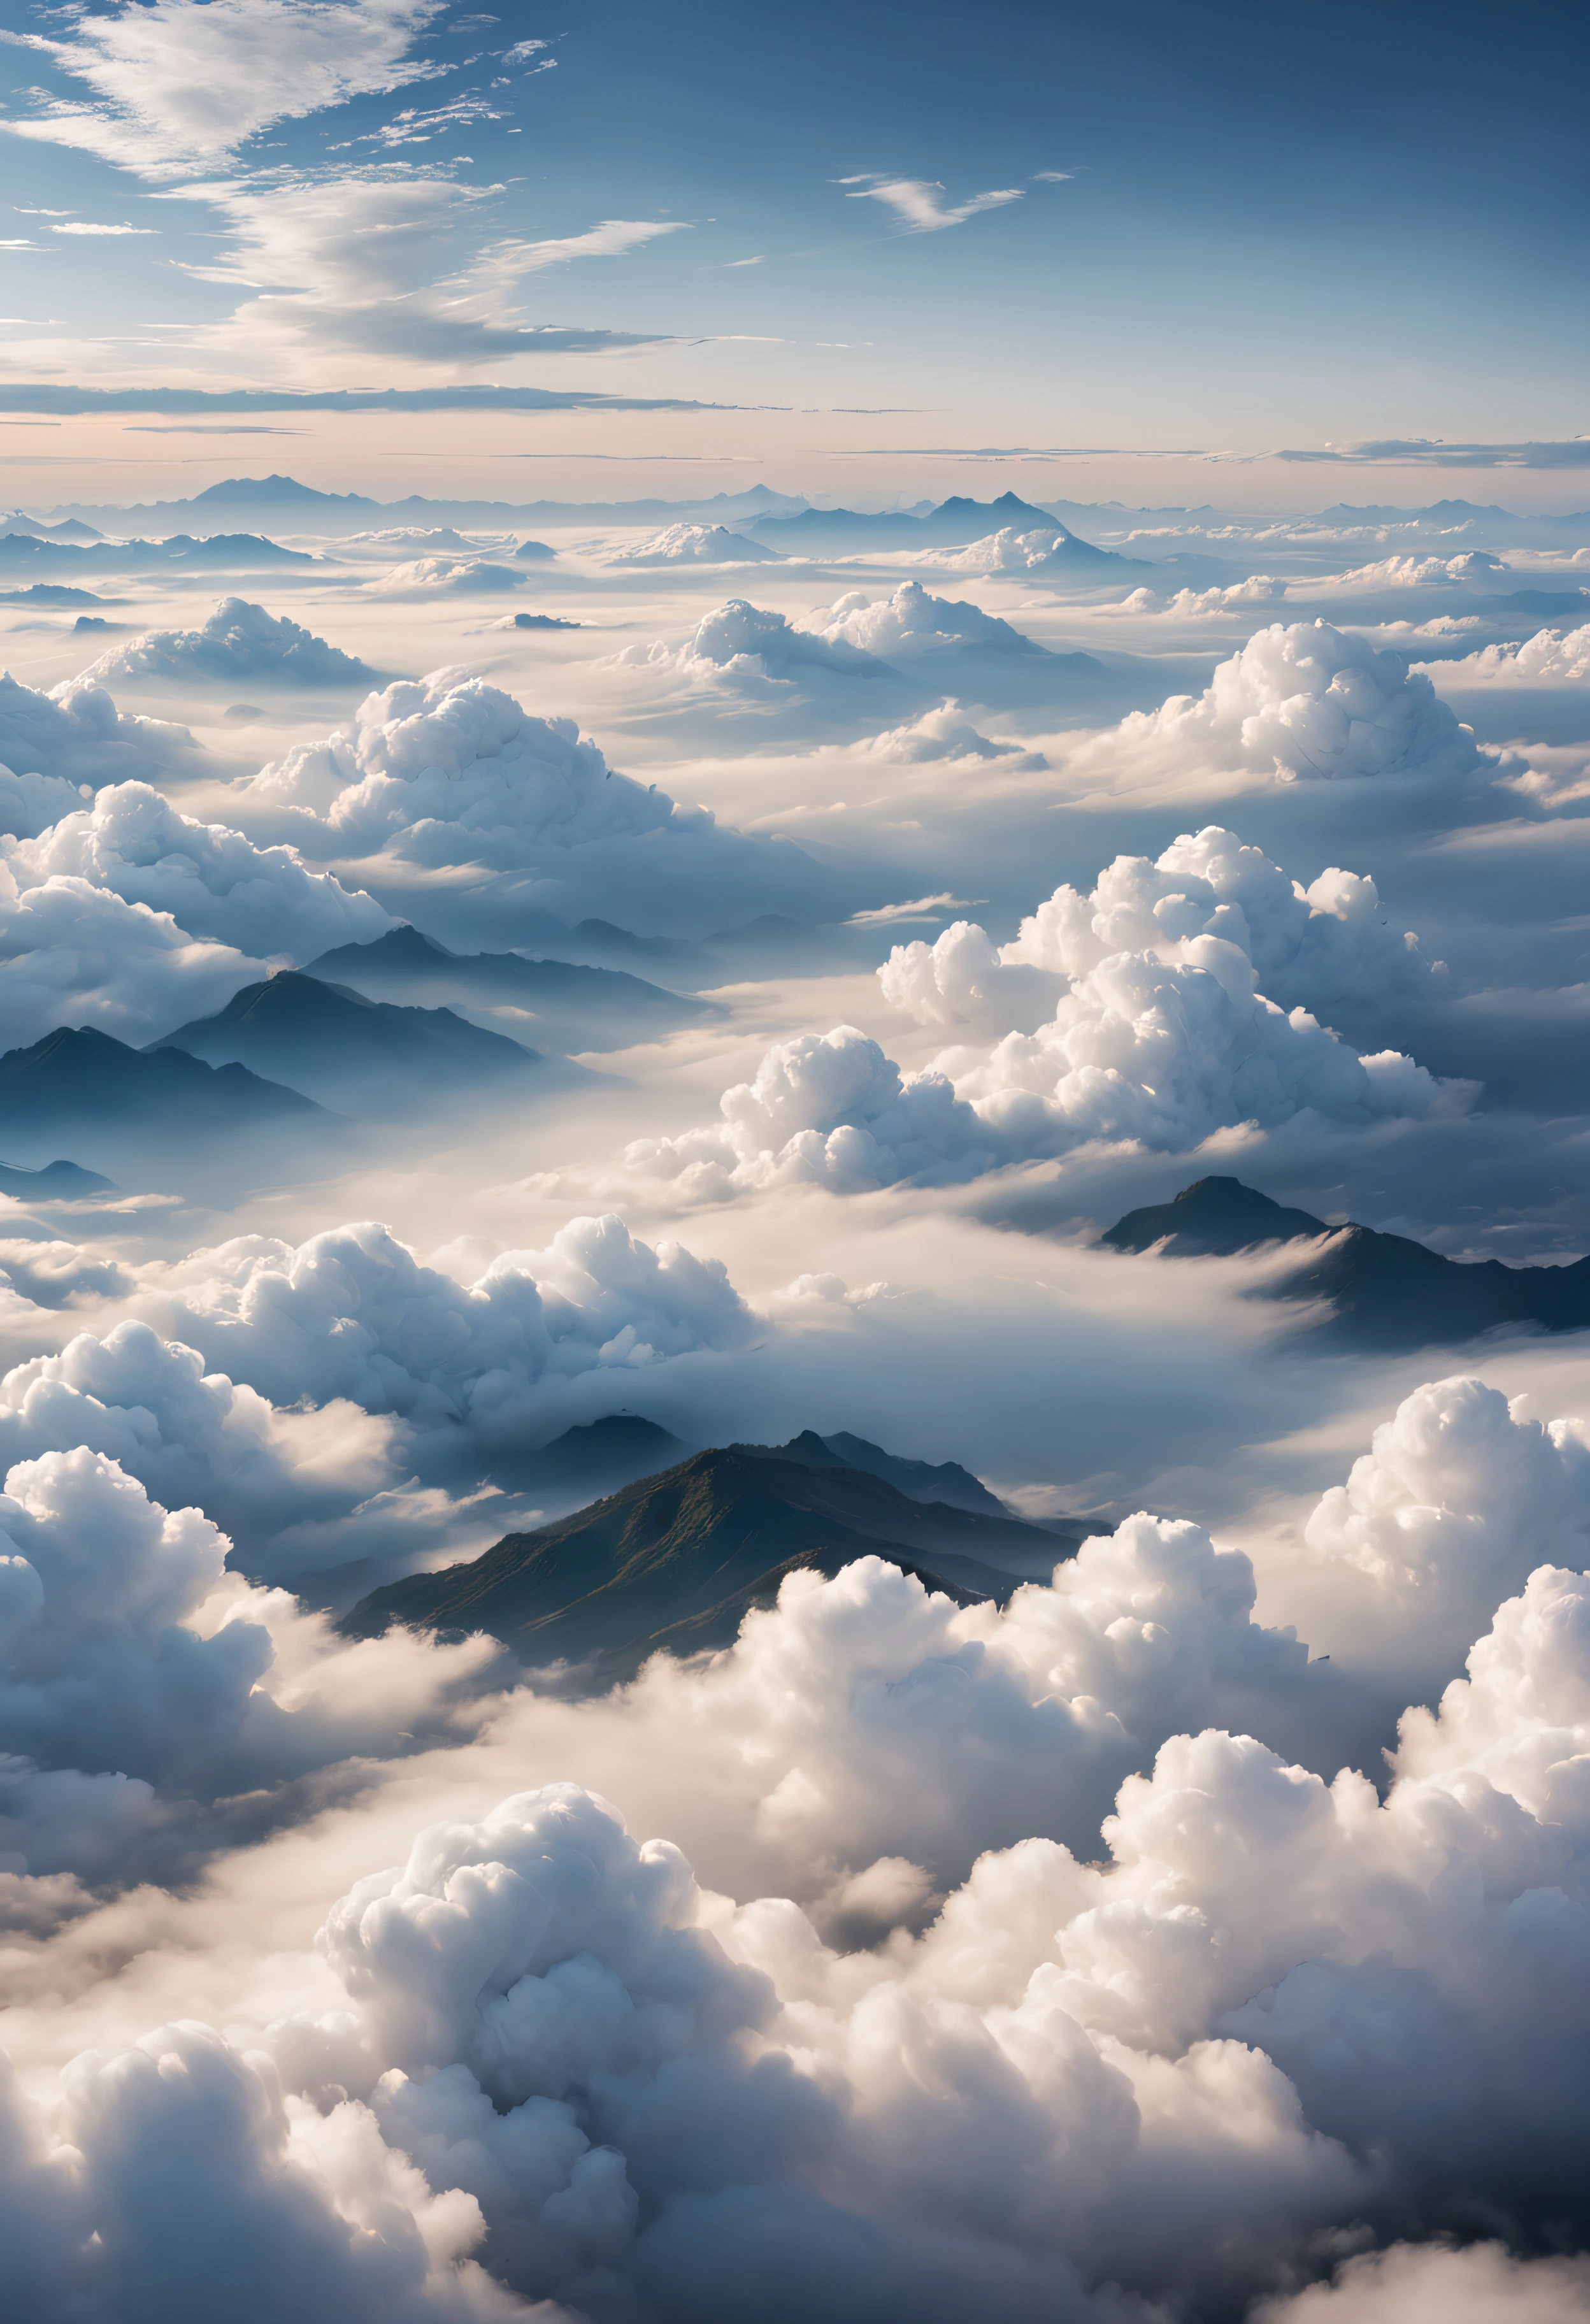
(86,1088)
(368,1059)
(568,1007)
(283,503)
(1386,1292)
(676,1561)
(56,1182)
(227,552)
(954,523)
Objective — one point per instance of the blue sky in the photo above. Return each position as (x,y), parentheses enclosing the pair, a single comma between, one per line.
(1231,227)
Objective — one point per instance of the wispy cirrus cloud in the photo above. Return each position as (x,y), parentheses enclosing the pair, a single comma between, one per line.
(919,203)
(338,260)
(1430,452)
(179,85)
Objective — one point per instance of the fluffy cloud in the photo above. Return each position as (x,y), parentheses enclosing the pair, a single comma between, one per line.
(1276,2007)
(448,577)
(284,1485)
(141,1685)
(949,2041)
(131,916)
(1475,566)
(450,771)
(72,737)
(1301,702)
(741,646)
(74,953)
(695,544)
(1308,947)
(824,1109)
(1130,1013)
(1201,604)
(1166,1054)
(446,762)
(1208,902)
(237,641)
(212,882)
(947,733)
(420,541)
(352,1314)
(1432,2283)
(1550,658)
(1460,1497)
(1007,552)
(913,622)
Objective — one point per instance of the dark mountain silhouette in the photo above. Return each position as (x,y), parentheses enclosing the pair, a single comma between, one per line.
(954,524)
(364,1058)
(621,1447)
(676,1560)
(283,500)
(1385,1291)
(67,530)
(221,552)
(535,552)
(81,1085)
(944,1482)
(573,1007)
(598,1457)
(50,592)
(275,496)
(56,1182)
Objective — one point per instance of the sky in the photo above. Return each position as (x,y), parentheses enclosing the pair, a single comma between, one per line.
(870,248)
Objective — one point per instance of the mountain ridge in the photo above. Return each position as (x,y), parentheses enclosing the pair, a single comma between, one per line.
(688,1550)
(330,1037)
(1385,1291)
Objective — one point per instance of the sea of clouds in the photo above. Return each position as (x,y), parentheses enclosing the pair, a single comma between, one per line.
(1205,1934)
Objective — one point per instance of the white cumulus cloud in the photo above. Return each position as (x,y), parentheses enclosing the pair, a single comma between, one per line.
(239,640)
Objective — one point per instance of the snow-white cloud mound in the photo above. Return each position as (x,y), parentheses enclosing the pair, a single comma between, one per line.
(746,648)
(1199,605)
(696,544)
(74,953)
(215,883)
(423,541)
(450,764)
(140,1680)
(1300,702)
(912,622)
(1005,551)
(1311,947)
(450,771)
(1177,2069)
(1550,658)
(54,745)
(947,733)
(239,642)
(1146,1011)
(448,577)
(354,1313)
(194,1438)
(1139,1049)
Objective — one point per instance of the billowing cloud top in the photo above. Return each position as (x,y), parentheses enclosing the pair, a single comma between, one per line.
(912,622)
(129,916)
(74,736)
(444,760)
(696,544)
(239,640)
(1134,1013)
(1302,702)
